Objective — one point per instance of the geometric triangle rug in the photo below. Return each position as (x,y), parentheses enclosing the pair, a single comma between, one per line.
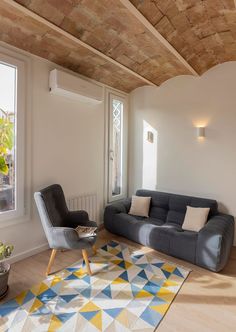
(128,291)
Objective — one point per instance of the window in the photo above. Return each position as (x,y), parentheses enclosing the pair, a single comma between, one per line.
(117,148)
(11,138)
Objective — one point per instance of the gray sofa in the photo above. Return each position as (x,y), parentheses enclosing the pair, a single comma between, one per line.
(210,248)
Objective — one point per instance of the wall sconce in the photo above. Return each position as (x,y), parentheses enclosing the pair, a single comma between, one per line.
(200,132)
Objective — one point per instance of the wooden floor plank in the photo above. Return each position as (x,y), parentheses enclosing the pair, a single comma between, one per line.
(206,301)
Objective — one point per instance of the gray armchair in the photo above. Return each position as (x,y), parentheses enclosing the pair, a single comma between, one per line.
(59,223)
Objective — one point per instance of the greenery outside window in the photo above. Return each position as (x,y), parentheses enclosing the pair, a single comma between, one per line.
(12,100)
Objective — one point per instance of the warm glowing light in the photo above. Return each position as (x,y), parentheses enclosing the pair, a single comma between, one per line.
(201,123)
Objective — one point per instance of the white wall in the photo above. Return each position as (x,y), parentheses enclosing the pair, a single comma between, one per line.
(186,165)
(67,147)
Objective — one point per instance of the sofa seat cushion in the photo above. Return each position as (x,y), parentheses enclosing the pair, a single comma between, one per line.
(128,226)
(169,225)
(183,245)
(171,239)
(158,237)
(154,221)
(134,228)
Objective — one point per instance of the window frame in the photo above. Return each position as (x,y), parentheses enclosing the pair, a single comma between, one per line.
(20,93)
(110,95)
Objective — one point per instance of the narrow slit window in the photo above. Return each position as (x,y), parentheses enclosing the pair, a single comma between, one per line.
(117,115)
(117,149)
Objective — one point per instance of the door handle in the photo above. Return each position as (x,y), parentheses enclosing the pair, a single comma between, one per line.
(111,155)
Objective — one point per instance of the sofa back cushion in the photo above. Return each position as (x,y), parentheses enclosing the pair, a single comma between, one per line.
(171,208)
(140,206)
(159,203)
(177,208)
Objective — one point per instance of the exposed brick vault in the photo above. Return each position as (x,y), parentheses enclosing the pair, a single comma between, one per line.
(122,43)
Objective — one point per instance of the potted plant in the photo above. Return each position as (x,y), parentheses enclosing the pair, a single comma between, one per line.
(5,252)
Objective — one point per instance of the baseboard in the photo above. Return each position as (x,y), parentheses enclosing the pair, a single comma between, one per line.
(27,253)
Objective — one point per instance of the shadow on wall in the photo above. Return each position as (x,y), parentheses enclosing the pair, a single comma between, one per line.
(149,159)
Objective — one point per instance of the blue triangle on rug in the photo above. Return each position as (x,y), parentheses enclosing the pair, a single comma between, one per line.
(29,296)
(104,248)
(178,273)
(87,279)
(120,255)
(114,312)
(158,264)
(151,317)
(87,293)
(137,256)
(107,291)
(72,269)
(71,277)
(122,264)
(151,288)
(143,275)
(64,317)
(157,301)
(68,298)
(124,276)
(47,296)
(8,307)
(166,273)
(89,314)
(143,266)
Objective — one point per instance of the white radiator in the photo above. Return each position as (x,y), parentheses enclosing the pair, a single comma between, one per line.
(87,202)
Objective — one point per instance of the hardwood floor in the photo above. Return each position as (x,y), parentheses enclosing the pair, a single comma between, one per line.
(205,303)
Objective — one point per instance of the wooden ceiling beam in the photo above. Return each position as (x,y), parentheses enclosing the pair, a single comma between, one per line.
(54,27)
(133,10)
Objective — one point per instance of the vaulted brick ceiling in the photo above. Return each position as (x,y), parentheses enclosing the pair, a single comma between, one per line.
(120,42)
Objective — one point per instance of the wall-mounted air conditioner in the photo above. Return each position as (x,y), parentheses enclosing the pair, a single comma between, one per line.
(67,85)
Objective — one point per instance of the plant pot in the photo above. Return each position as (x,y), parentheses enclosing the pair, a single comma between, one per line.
(4,280)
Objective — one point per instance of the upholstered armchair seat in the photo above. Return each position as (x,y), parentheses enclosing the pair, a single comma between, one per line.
(59,223)
(67,238)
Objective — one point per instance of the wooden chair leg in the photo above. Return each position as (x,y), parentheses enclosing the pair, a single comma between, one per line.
(85,257)
(94,249)
(51,260)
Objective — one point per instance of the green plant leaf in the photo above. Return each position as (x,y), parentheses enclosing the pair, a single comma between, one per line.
(5,250)
(3,166)
(6,139)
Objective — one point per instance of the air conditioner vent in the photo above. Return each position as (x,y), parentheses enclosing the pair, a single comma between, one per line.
(67,85)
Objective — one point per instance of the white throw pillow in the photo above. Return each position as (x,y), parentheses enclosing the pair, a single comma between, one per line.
(195,218)
(140,206)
